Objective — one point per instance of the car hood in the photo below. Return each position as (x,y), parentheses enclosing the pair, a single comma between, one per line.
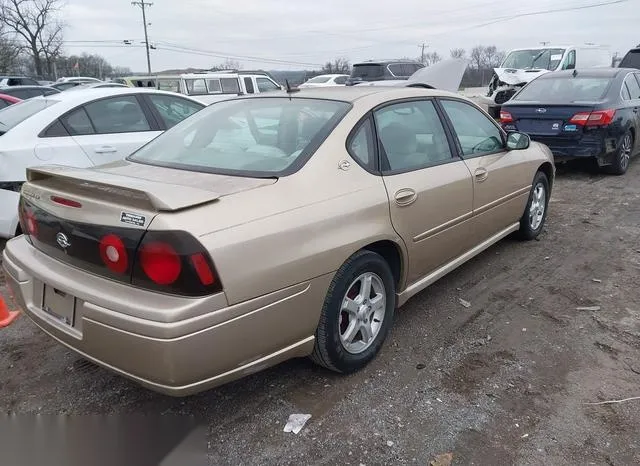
(515,77)
(445,75)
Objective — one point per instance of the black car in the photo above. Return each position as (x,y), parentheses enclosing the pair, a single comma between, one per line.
(382,71)
(631,59)
(17,81)
(26,92)
(591,113)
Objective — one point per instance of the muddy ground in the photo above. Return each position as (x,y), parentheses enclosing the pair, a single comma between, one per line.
(505,381)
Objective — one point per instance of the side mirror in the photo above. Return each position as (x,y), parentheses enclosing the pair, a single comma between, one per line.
(518,141)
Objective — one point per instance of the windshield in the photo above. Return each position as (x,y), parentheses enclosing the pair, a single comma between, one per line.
(367,71)
(258,137)
(319,79)
(15,114)
(564,89)
(631,60)
(545,59)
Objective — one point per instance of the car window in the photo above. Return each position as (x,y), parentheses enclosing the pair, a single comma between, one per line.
(631,83)
(411,135)
(78,122)
(570,61)
(362,145)
(396,69)
(196,86)
(255,137)
(172,85)
(121,114)
(625,92)
(23,94)
(231,85)
(50,91)
(172,109)
(3,103)
(319,80)
(340,80)
(266,85)
(56,129)
(476,133)
(248,84)
(17,113)
(213,86)
(564,89)
(631,59)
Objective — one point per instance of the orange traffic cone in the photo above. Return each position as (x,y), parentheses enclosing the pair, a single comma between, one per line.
(6,316)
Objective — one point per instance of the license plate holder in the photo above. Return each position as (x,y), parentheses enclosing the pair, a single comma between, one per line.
(59,305)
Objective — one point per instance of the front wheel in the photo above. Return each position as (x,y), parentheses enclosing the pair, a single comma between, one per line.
(357,314)
(535,214)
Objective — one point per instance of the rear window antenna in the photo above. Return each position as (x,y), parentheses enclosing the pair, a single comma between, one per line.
(575,73)
(290,90)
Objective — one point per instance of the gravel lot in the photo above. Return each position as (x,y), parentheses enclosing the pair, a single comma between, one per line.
(504,381)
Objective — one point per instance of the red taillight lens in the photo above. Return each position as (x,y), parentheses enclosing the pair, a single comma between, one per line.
(202,269)
(505,117)
(114,254)
(597,118)
(160,262)
(65,202)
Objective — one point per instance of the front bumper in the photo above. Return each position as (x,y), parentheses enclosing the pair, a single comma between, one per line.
(174,345)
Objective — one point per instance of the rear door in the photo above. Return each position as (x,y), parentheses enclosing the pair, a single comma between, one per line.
(430,191)
(632,85)
(501,181)
(111,129)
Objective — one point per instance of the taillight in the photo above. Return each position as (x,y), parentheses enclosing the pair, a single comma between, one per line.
(174,262)
(114,253)
(505,117)
(65,202)
(28,221)
(596,118)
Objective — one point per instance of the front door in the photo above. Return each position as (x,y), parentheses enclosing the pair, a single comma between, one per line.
(501,178)
(430,191)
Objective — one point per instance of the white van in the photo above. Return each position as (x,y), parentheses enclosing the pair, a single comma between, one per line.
(522,66)
(212,87)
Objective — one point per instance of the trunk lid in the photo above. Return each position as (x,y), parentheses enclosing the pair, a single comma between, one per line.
(538,119)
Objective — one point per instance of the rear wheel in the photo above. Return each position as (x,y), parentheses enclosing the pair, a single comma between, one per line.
(623,156)
(357,314)
(535,214)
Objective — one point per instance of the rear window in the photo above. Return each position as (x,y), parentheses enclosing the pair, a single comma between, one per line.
(248,137)
(564,89)
(631,60)
(319,79)
(17,113)
(367,71)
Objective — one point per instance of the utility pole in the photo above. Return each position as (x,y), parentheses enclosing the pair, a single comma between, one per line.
(142,4)
(422,47)
(544,43)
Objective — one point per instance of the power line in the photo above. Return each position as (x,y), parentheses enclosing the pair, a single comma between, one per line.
(142,4)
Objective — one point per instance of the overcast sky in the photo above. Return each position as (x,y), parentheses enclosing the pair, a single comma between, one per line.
(295,34)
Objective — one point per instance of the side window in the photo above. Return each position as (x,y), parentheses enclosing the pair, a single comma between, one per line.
(55,130)
(340,80)
(411,136)
(196,86)
(230,85)
(248,84)
(3,103)
(361,145)
(78,122)
(625,92)
(476,133)
(632,84)
(22,94)
(117,115)
(266,85)
(173,110)
(396,70)
(30,82)
(14,82)
(570,62)
(214,86)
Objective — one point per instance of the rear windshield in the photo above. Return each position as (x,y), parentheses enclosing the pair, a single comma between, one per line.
(17,113)
(564,89)
(631,60)
(319,79)
(367,71)
(258,137)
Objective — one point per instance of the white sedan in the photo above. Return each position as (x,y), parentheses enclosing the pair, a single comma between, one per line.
(80,129)
(326,80)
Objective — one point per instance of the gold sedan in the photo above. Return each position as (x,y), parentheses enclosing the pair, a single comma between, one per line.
(266,228)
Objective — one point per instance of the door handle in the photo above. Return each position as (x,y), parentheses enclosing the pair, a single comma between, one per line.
(481,174)
(405,196)
(105,150)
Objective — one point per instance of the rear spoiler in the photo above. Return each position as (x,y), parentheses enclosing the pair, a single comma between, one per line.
(149,194)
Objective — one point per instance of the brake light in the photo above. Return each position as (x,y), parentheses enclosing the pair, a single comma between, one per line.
(65,202)
(28,221)
(114,253)
(505,117)
(160,263)
(202,269)
(597,118)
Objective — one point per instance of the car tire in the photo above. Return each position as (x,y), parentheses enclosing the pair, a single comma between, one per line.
(352,326)
(535,213)
(620,162)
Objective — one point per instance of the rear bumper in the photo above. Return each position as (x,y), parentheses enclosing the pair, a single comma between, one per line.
(173,345)
(600,147)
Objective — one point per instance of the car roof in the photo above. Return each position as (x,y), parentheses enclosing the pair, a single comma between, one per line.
(26,86)
(353,93)
(604,72)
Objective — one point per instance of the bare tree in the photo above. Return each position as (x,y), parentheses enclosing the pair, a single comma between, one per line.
(338,66)
(458,53)
(228,64)
(9,52)
(477,57)
(35,23)
(431,58)
(492,57)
